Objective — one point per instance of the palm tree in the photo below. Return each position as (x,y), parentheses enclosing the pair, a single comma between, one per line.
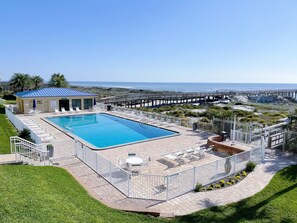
(58,80)
(19,81)
(1,88)
(37,81)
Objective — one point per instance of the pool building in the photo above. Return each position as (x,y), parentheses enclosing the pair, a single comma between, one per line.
(49,99)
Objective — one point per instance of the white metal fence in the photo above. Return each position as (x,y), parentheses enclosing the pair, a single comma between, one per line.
(134,186)
(246,137)
(185,181)
(20,125)
(158,187)
(29,152)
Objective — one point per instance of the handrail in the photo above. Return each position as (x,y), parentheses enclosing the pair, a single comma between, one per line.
(32,146)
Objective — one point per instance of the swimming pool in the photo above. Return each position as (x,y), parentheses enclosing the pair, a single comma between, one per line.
(106,131)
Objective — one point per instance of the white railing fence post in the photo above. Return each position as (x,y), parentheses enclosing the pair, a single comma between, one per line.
(235,161)
(167,186)
(217,166)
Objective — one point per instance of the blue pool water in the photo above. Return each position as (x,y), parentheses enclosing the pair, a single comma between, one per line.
(104,130)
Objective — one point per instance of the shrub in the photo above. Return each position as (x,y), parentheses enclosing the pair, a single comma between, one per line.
(26,134)
(217,186)
(243,173)
(198,187)
(238,177)
(233,181)
(250,166)
(210,188)
(204,119)
(9,97)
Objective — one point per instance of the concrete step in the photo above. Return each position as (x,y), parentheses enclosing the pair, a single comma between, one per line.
(13,163)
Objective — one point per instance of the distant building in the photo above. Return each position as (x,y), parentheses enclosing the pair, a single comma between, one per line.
(49,99)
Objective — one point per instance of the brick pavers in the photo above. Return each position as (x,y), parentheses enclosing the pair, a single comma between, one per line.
(252,184)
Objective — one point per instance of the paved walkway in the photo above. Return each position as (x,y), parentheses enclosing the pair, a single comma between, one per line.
(4,158)
(253,183)
(185,204)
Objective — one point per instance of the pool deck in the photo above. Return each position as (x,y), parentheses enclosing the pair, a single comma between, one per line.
(154,149)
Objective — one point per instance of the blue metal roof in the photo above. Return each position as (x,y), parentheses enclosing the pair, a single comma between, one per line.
(52,92)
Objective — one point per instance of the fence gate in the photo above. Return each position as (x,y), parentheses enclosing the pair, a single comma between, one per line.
(276,140)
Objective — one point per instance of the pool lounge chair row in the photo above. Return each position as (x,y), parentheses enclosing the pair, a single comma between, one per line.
(189,155)
(37,129)
(64,111)
(150,119)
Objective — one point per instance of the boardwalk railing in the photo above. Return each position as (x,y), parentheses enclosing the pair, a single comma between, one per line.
(158,187)
(20,125)
(29,152)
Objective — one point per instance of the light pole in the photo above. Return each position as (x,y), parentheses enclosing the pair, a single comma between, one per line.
(234,129)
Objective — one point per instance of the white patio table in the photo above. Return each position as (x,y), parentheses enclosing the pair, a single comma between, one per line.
(134,161)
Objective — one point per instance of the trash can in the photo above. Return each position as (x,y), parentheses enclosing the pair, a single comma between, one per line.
(50,150)
(108,107)
(195,126)
(224,135)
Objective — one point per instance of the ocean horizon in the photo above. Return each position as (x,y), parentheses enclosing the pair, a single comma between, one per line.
(186,87)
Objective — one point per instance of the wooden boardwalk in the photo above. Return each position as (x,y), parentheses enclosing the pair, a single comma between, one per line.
(168,98)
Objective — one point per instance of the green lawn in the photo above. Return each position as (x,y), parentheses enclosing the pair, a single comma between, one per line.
(6,130)
(55,196)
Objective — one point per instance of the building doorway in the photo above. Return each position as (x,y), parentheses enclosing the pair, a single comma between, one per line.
(64,103)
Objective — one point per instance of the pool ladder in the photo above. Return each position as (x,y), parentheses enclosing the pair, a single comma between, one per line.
(69,128)
(142,122)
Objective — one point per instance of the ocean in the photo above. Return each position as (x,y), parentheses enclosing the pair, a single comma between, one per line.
(186,87)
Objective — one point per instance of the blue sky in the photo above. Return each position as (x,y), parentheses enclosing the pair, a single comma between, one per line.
(150,40)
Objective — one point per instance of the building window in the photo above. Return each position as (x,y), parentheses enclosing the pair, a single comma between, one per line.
(88,103)
(76,103)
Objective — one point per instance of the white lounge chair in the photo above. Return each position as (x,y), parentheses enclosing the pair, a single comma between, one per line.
(47,138)
(31,112)
(71,110)
(209,149)
(170,157)
(199,152)
(63,110)
(39,131)
(45,134)
(177,158)
(77,109)
(57,111)
(32,126)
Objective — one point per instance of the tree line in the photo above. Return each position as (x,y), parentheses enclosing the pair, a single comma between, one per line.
(21,81)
